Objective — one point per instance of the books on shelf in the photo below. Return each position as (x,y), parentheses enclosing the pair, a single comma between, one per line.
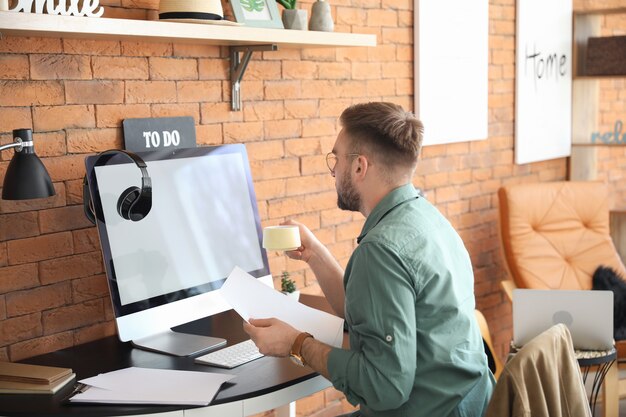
(21,378)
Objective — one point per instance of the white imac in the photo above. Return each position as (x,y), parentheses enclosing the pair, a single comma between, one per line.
(166,269)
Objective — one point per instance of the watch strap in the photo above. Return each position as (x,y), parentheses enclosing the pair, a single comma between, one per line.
(296,348)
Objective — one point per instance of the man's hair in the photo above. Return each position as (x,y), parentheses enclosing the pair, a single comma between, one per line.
(385,131)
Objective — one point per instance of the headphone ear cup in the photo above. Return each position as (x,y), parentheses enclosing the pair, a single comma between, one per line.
(126,201)
(87,204)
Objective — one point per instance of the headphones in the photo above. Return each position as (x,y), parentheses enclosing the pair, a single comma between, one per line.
(134,203)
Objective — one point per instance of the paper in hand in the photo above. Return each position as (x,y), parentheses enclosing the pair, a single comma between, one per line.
(250,298)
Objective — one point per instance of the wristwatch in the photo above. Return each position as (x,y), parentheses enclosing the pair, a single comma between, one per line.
(296,349)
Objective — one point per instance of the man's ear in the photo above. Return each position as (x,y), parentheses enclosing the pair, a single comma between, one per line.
(361,167)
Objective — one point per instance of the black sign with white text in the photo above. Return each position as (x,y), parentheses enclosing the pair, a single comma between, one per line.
(152,134)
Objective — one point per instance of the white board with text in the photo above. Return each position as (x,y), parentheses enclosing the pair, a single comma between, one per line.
(543,99)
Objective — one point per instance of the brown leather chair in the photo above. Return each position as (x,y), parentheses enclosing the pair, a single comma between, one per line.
(554,236)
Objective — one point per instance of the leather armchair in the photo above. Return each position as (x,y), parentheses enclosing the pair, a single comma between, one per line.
(554,236)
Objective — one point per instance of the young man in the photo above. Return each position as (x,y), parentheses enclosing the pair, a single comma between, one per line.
(407,293)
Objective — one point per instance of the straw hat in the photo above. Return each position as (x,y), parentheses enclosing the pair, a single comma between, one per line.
(191,10)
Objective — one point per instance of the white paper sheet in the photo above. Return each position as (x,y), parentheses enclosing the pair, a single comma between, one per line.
(152,386)
(252,299)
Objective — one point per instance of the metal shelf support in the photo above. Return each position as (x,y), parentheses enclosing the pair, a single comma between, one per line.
(238,65)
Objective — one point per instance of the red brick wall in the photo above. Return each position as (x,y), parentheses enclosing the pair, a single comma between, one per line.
(75,93)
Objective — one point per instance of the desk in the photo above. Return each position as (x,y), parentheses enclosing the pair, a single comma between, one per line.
(259,385)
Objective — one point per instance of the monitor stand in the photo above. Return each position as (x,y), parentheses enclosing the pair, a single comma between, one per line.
(179,344)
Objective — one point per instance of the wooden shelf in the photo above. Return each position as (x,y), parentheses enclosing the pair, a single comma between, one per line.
(586,96)
(29,24)
(600,11)
(599,77)
(241,39)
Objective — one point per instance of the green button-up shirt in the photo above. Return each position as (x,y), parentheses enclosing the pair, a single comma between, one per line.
(415,347)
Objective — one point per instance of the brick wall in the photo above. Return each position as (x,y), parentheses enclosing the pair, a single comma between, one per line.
(75,93)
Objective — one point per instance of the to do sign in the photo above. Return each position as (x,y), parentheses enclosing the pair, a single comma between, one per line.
(159,133)
(153,139)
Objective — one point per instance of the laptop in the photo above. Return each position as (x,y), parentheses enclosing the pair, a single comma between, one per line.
(587,313)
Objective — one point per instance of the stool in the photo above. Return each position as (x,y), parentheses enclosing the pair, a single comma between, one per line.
(603,360)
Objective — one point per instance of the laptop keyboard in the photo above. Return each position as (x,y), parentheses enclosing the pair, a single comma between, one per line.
(231,356)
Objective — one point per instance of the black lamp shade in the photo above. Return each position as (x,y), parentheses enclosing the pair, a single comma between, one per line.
(26,177)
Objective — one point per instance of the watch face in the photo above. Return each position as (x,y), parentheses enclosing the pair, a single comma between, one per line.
(296,359)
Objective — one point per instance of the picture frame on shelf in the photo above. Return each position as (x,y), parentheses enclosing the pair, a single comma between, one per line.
(257,13)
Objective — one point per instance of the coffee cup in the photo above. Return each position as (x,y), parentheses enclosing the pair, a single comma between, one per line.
(281,237)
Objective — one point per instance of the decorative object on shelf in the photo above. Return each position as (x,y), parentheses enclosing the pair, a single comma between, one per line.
(4,5)
(288,286)
(614,137)
(606,55)
(321,19)
(293,18)
(257,13)
(87,8)
(192,11)
(26,177)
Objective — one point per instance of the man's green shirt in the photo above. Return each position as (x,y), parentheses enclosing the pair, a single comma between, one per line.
(415,347)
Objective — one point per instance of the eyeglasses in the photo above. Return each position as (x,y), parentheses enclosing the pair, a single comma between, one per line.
(331,160)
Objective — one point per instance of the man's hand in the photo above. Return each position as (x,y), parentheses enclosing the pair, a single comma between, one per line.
(272,336)
(310,245)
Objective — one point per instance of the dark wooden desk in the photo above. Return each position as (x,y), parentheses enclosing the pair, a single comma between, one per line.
(259,385)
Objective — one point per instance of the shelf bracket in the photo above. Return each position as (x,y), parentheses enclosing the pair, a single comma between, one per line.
(238,65)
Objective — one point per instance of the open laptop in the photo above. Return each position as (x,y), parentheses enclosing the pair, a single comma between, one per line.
(588,315)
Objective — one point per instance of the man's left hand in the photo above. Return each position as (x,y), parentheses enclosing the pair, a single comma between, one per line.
(272,336)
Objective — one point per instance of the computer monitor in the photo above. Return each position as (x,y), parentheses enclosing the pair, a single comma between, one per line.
(166,269)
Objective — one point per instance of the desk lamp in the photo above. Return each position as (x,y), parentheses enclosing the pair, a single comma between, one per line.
(26,176)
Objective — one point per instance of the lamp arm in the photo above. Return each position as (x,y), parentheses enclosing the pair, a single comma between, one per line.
(17,144)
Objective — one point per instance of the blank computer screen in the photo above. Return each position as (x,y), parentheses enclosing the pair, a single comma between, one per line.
(203,223)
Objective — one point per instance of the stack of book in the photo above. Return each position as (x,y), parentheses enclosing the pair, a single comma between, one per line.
(21,378)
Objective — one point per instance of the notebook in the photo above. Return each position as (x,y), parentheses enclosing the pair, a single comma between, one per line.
(31,374)
(10,387)
(588,315)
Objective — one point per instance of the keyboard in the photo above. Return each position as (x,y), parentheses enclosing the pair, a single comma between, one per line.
(231,356)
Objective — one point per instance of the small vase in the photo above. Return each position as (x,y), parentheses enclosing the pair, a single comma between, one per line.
(321,19)
(295,294)
(294,19)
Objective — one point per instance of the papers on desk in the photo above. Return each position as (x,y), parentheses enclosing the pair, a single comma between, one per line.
(151,386)
(250,298)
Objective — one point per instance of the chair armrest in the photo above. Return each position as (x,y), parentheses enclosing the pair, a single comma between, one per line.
(508,286)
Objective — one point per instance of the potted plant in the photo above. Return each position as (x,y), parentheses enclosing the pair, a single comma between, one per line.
(293,18)
(288,286)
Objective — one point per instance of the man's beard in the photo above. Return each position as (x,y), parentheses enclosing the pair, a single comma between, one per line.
(347,196)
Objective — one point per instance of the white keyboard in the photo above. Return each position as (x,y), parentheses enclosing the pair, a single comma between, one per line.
(231,356)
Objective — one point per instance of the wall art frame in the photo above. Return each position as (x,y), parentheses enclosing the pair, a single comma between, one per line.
(257,13)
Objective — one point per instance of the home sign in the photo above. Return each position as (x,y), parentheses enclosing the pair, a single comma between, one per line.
(88,8)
